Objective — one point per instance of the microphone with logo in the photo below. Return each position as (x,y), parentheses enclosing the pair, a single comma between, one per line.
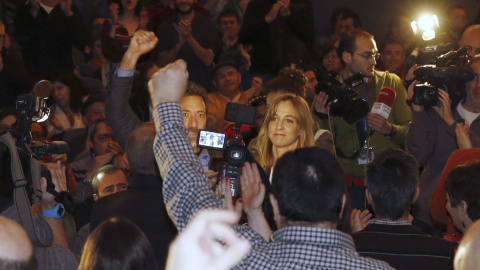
(384,103)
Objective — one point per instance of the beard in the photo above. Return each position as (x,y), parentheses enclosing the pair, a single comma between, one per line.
(193,138)
(184,12)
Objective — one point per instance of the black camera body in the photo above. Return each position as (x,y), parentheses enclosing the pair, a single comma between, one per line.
(343,97)
(451,73)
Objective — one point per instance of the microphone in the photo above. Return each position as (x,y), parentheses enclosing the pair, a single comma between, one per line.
(43,89)
(383,106)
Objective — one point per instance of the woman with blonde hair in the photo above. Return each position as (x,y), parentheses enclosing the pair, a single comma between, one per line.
(288,125)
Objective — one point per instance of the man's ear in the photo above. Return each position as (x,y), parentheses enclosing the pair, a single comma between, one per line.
(95,197)
(276,212)
(89,143)
(368,196)
(346,57)
(344,201)
(417,193)
(126,159)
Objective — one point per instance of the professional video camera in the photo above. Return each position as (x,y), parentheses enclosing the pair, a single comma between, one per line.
(20,156)
(450,73)
(343,97)
(235,152)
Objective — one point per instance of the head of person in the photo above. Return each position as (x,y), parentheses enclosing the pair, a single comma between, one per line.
(260,103)
(457,18)
(67,90)
(393,54)
(288,126)
(391,181)
(462,187)
(472,98)
(399,28)
(185,7)
(128,5)
(117,244)
(331,60)
(289,80)
(308,188)
(99,136)
(470,39)
(227,79)
(50,3)
(16,250)
(8,117)
(348,22)
(359,53)
(335,18)
(93,109)
(139,150)
(194,105)
(312,82)
(466,256)
(227,21)
(109,180)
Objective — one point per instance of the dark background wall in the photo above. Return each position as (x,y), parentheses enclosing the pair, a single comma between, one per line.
(375,14)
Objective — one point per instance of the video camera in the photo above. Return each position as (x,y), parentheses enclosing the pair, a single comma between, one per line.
(343,96)
(235,152)
(450,73)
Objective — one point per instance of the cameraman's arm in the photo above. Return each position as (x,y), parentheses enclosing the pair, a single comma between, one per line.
(401,112)
(320,110)
(48,202)
(185,186)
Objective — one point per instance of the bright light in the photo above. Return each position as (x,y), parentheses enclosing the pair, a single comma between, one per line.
(428,35)
(426,26)
(426,22)
(414,27)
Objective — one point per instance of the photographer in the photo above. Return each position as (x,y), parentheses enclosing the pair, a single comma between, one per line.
(57,256)
(431,138)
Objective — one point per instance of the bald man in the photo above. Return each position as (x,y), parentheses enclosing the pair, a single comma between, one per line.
(16,250)
(467,252)
(471,39)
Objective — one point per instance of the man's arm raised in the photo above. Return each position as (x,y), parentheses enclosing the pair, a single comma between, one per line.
(185,184)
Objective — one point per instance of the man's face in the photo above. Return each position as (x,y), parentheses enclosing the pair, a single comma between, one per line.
(473,86)
(61,94)
(228,23)
(260,116)
(346,25)
(101,139)
(363,58)
(227,81)
(311,83)
(455,213)
(194,116)
(94,113)
(393,55)
(185,6)
(109,184)
(458,19)
(471,41)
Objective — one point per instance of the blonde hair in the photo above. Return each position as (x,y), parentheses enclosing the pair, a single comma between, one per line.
(306,137)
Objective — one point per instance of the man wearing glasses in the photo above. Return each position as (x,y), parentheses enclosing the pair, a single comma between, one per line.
(354,146)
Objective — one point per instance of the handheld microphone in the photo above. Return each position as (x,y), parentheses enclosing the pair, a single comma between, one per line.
(383,106)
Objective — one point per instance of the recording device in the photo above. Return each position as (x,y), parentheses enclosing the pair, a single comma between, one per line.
(384,103)
(34,108)
(451,73)
(235,152)
(343,97)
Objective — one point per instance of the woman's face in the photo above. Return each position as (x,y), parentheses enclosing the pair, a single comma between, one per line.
(129,4)
(284,126)
(61,94)
(331,61)
(456,215)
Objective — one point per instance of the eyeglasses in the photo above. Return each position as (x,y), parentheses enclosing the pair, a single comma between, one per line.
(369,56)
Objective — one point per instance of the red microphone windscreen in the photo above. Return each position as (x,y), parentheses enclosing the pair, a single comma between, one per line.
(387,96)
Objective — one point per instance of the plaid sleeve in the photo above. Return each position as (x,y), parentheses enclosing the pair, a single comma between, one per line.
(185,188)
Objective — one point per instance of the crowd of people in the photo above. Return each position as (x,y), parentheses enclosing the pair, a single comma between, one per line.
(131,84)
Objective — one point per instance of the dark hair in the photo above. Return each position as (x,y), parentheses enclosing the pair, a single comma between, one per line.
(348,42)
(327,51)
(392,180)
(336,13)
(463,184)
(354,17)
(74,84)
(117,244)
(139,150)
(228,13)
(138,7)
(7,111)
(453,7)
(289,80)
(392,41)
(92,129)
(107,169)
(308,184)
(194,89)
(100,97)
